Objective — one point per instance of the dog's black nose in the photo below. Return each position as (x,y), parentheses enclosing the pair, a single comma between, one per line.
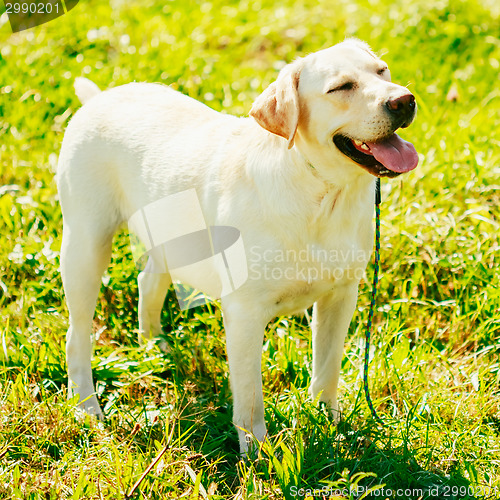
(402,109)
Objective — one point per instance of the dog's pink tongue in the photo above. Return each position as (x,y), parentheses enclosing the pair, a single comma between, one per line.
(395,154)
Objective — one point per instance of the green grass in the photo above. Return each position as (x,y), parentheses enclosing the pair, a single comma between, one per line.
(435,372)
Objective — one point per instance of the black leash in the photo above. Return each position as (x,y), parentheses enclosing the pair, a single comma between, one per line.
(372,303)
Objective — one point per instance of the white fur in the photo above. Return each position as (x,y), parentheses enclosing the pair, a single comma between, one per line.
(134,144)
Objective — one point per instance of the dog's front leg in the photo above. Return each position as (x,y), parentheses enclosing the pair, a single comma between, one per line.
(244,337)
(331,317)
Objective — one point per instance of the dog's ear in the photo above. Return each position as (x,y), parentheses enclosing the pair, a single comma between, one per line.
(277,108)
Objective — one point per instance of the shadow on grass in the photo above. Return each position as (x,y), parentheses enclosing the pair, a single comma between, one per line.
(384,452)
(313,453)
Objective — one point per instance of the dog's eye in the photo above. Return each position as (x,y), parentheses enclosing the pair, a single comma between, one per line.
(344,86)
(381,71)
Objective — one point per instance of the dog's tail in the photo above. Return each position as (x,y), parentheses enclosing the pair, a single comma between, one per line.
(85,89)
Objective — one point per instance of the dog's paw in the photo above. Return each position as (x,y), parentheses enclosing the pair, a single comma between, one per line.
(163,345)
(251,442)
(336,415)
(332,409)
(90,406)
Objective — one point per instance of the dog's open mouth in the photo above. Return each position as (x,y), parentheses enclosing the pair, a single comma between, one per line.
(387,158)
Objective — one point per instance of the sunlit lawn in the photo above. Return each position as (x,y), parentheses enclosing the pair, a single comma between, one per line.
(435,372)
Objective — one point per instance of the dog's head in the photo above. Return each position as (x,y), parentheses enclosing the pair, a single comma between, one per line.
(340,104)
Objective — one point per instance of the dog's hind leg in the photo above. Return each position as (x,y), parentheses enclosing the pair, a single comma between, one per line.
(153,289)
(85,254)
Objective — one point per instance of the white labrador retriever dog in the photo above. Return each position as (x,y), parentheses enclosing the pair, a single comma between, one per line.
(296,180)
